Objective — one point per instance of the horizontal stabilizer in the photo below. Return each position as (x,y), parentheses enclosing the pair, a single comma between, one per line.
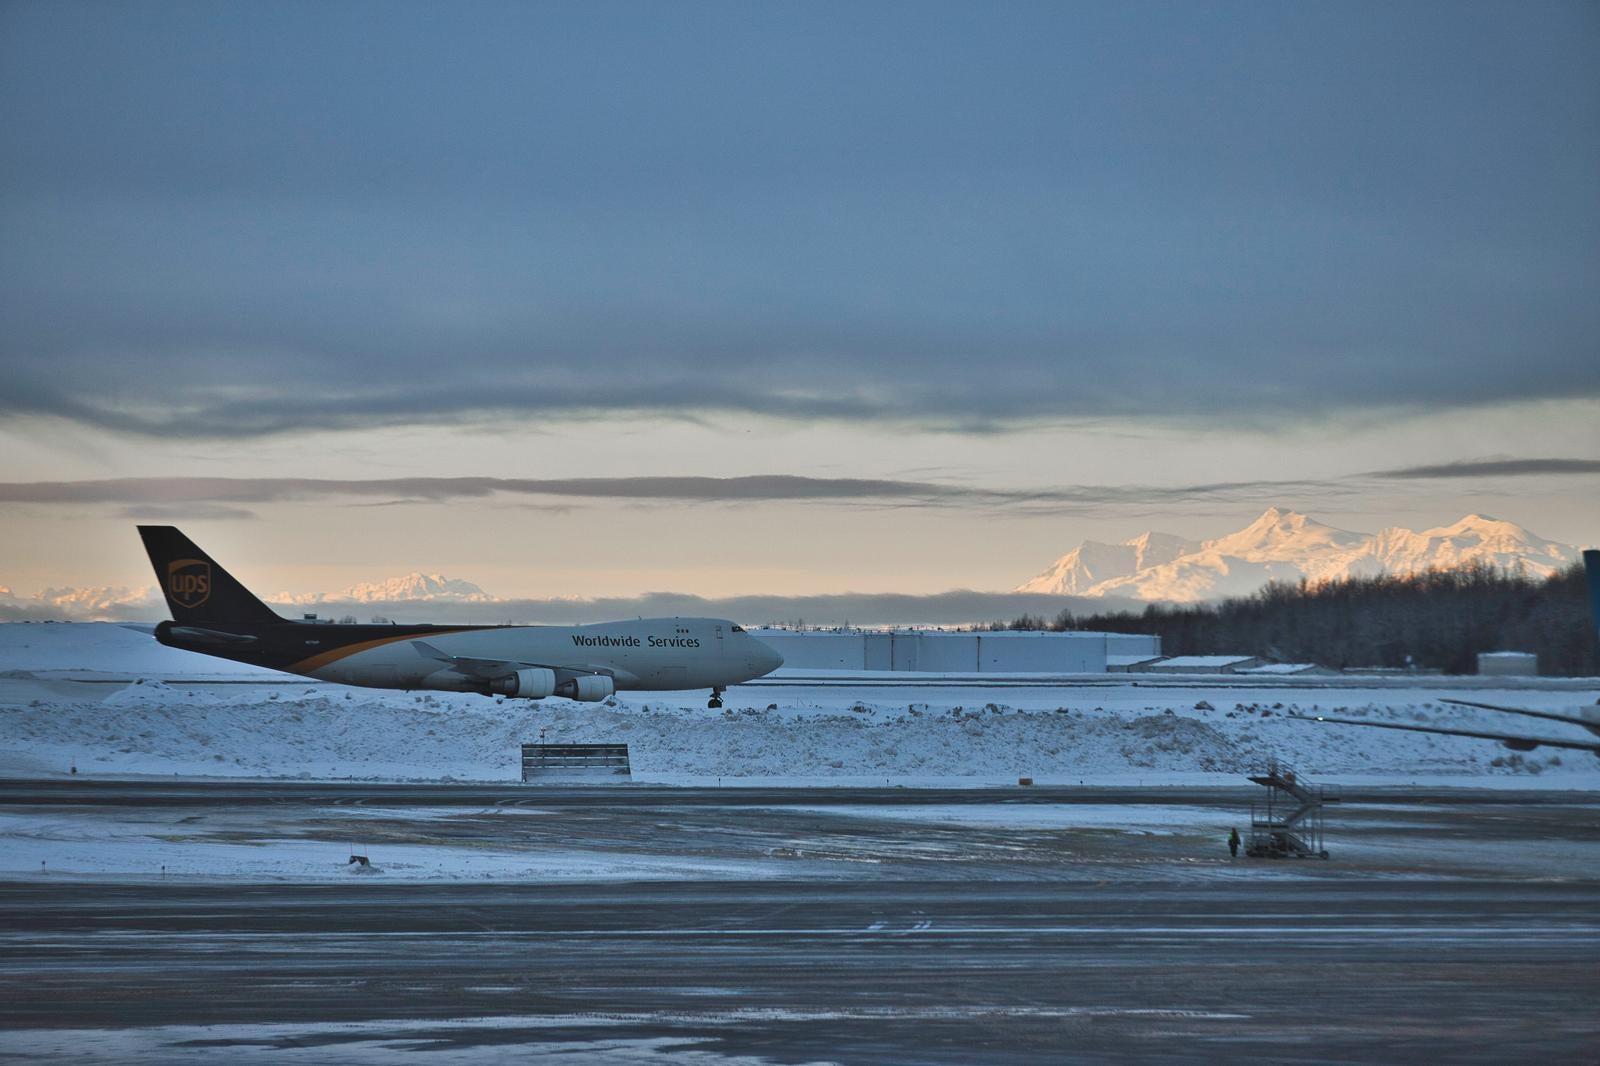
(208,636)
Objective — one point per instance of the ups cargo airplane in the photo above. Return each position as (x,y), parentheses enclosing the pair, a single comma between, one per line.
(1515,741)
(213,614)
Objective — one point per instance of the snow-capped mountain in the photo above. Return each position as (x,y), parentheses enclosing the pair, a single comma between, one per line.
(1094,562)
(415,586)
(81,603)
(97,601)
(1503,544)
(1287,546)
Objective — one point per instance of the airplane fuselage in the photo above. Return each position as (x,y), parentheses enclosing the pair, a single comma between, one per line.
(641,654)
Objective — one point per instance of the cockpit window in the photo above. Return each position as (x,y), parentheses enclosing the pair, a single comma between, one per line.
(738,629)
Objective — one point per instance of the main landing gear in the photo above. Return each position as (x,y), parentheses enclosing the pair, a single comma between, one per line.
(716,698)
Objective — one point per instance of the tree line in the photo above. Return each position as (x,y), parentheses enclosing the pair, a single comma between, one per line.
(1436,619)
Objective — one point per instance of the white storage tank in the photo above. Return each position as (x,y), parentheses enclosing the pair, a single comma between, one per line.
(1508,664)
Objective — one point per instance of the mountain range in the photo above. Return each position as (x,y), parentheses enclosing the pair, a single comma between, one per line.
(1286,546)
(1280,545)
(415,586)
(95,602)
(87,601)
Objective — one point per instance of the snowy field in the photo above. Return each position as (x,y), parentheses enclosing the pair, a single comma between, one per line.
(162,845)
(66,702)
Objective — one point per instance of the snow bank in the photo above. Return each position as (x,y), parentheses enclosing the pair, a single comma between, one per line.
(1063,735)
(826,732)
(93,648)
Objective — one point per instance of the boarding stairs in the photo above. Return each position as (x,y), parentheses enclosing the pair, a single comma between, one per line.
(1287,822)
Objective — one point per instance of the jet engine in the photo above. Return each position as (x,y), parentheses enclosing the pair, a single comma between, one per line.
(534,683)
(590,688)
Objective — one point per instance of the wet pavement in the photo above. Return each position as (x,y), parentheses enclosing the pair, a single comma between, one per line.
(976,931)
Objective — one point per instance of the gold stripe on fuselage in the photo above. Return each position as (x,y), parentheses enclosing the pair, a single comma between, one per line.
(333,655)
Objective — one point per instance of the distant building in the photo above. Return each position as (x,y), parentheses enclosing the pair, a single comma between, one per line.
(1508,664)
(1203,664)
(1127,664)
(1288,670)
(941,652)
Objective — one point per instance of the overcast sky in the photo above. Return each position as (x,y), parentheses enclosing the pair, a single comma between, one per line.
(944,288)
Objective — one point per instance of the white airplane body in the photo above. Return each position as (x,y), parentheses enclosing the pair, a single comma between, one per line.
(645,654)
(215,615)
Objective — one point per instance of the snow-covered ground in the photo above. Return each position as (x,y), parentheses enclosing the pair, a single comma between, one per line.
(76,845)
(201,720)
(489,843)
(110,649)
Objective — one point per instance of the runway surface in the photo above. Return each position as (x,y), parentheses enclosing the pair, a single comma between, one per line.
(159,791)
(836,972)
(850,925)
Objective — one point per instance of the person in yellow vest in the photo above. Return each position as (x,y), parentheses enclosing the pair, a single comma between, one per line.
(1233,842)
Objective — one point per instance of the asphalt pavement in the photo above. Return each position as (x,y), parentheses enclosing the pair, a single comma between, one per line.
(151,791)
(1435,933)
(848,972)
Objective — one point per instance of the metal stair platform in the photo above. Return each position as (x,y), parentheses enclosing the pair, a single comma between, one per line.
(1287,823)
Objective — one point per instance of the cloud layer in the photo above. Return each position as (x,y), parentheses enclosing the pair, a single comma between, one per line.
(959,607)
(164,499)
(194,498)
(1482,468)
(956,215)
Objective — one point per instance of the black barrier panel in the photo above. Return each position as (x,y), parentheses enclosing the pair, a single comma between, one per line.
(538,759)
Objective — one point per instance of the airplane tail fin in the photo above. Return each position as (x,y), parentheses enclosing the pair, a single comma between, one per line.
(1591,563)
(198,590)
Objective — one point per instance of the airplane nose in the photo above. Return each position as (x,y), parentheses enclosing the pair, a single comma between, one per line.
(767,660)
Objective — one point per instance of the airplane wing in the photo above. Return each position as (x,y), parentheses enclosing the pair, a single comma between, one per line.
(1592,725)
(484,668)
(492,669)
(1515,743)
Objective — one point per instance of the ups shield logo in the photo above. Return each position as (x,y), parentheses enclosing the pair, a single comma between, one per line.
(189,581)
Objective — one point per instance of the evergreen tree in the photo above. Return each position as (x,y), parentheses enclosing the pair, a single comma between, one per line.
(1436,619)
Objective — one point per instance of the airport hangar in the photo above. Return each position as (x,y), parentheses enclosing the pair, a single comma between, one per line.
(946,652)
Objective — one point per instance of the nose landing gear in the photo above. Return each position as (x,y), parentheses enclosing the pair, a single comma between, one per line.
(716,698)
